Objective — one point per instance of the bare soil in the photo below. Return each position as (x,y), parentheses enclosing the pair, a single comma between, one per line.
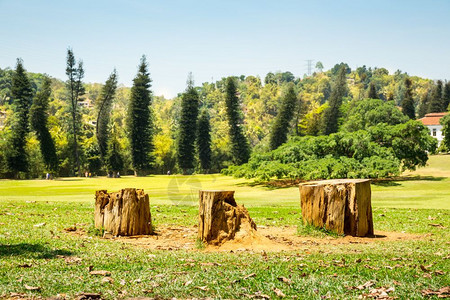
(270,239)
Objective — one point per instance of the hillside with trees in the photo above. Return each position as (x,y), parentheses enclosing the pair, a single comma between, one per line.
(335,123)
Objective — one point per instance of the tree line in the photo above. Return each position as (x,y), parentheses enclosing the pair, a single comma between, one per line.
(69,128)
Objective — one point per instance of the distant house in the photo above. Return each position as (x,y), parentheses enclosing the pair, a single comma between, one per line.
(432,122)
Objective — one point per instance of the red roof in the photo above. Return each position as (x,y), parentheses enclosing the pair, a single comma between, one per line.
(432,119)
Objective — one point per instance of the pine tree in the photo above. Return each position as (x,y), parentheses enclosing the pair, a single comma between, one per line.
(240,147)
(446,97)
(332,113)
(39,123)
(204,141)
(424,105)
(104,105)
(75,90)
(114,158)
(436,104)
(408,101)
(284,117)
(372,94)
(188,127)
(22,95)
(140,122)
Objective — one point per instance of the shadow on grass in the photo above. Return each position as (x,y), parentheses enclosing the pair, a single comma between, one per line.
(31,250)
(395,180)
(287,183)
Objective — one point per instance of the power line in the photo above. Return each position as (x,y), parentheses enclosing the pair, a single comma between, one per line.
(309,66)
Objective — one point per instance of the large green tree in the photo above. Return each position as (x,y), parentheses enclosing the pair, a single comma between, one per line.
(408,101)
(75,88)
(204,141)
(188,127)
(436,103)
(22,95)
(278,134)
(39,123)
(240,147)
(332,113)
(424,104)
(104,106)
(140,122)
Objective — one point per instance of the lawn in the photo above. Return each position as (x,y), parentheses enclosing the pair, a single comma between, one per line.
(36,251)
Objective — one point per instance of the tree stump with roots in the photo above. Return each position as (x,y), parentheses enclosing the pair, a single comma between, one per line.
(221,218)
(341,205)
(124,213)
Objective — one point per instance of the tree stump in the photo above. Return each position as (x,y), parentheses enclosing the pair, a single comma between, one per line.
(123,213)
(342,205)
(221,218)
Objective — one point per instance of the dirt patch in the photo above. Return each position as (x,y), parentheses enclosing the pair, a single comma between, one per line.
(270,239)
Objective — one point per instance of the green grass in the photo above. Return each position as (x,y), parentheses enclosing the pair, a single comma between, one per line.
(58,262)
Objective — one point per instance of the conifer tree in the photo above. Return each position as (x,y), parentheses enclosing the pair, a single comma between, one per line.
(104,106)
(188,126)
(22,94)
(284,117)
(204,141)
(372,94)
(140,122)
(436,103)
(408,101)
(240,148)
(75,89)
(39,123)
(446,97)
(332,113)
(114,157)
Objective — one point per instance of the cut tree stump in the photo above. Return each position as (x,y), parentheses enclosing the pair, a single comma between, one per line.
(221,218)
(123,213)
(341,205)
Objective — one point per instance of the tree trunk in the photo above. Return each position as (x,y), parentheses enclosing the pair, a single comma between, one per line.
(220,218)
(342,205)
(124,213)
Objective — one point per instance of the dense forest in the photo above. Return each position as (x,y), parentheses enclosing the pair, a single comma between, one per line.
(333,123)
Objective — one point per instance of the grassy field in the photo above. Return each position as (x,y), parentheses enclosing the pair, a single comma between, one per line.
(35,251)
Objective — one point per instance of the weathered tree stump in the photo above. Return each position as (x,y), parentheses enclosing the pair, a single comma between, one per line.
(342,205)
(123,213)
(221,218)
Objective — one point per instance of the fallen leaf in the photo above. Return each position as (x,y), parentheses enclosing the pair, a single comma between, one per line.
(203,288)
(431,218)
(122,282)
(439,272)
(85,296)
(24,266)
(107,280)
(279,293)
(187,283)
(425,268)
(39,225)
(438,226)
(17,295)
(71,228)
(443,292)
(285,280)
(366,285)
(100,272)
(249,275)
(210,264)
(32,288)
(72,260)
(397,283)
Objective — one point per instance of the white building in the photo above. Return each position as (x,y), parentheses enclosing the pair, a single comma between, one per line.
(432,122)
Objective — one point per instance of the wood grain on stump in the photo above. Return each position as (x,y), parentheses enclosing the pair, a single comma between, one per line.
(341,205)
(221,218)
(123,213)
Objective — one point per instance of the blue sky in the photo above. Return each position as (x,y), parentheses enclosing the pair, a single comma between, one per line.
(214,39)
